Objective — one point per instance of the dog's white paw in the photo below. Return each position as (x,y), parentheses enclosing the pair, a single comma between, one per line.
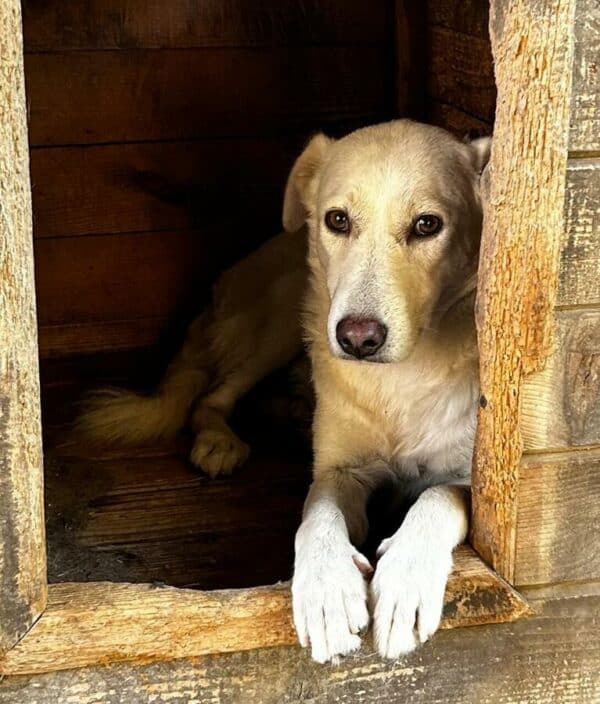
(407,592)
(218,452)
(329,594)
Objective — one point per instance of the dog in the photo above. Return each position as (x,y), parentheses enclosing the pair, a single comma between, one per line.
(394,222)
(388,219)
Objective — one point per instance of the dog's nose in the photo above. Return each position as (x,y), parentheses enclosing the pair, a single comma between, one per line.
(360,337)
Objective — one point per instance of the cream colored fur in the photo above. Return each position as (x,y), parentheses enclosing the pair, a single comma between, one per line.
(412,415)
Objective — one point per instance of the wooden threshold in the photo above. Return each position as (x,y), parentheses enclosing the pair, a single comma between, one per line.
(98,623)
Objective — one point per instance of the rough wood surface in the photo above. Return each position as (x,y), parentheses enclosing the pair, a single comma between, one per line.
(558,528)
(548,659)
(124,276)
(469,17)
(53,25)
(457,121)
(86,338)
(138,95)
(160,185)
(561,404)
(22,551)
(460,72)
(99,623)
(520,253)
(580,258)
(585,107)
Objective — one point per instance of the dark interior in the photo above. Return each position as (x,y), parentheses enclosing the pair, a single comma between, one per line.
(161,135)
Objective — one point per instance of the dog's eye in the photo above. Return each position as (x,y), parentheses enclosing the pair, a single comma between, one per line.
(427,225)
(338,221)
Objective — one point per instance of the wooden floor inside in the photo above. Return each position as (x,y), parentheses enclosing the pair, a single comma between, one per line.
(146,515)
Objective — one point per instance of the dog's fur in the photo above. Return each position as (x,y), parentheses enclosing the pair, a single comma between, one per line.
(408,415)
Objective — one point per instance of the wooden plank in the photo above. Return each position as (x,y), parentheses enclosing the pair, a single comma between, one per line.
(51,25)
(142,275)
(464,16)
(22,549)
(580,259)
(585,106)
(561,403)
(461,73)
(90,624)
(519,253)
(114,96)
(145,515)
(548,659)
(457,121)
(558,529)
(86,338)
(158,186)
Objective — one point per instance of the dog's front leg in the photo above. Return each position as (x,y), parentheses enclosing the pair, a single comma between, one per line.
(329,587)
(407,591)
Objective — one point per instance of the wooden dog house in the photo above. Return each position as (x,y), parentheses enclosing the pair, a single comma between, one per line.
(145,134)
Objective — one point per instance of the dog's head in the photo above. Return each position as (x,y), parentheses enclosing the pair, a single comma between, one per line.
(394,216)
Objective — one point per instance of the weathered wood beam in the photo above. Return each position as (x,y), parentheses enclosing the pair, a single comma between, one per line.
(550,658)
(22,545)
(103,622)
(532,46)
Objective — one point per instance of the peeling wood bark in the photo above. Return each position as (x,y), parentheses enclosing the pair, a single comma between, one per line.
(549,658)
(22,549)
(103,622)
(532,44)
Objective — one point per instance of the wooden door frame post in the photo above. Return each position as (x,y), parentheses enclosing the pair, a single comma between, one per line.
(523,190)
(22,541)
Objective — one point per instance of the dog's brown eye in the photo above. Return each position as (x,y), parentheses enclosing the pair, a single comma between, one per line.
(427,225)
(338,221)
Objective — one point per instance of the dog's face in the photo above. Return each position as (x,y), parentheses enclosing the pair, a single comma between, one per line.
(394,216)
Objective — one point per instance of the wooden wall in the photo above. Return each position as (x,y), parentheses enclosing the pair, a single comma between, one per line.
(459,85)
(161,135)
(558,531)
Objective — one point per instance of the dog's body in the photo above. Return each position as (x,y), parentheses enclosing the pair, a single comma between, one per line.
(393,218)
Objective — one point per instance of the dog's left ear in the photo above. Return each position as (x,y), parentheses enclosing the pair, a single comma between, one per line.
(480,150)
(299,189)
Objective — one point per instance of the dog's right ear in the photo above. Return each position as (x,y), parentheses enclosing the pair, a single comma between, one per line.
(300,183)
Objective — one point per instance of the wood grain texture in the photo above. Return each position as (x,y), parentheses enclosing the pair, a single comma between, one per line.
(465,16)
(460,72)
(99,623)
(580,259)
(86,338)
(457,121)
(119,277)
(22,550)
(159,186)
(543,660)
(51,25)
(561,403)
(558,529)
(585,106)
(140,95)
(519,253)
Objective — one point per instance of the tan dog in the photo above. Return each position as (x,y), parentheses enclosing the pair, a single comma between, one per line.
(394,218)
